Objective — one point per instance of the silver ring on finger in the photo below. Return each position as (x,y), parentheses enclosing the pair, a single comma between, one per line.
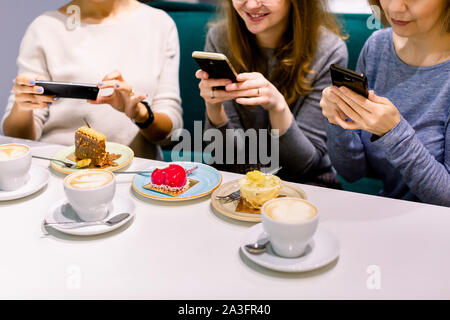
(212,93)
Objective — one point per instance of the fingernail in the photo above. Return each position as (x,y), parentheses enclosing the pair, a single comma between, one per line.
(117,85)
(40,90)
(56,98)
(343,89)
(49,103)
(100,84)
(32,82)
(333,97)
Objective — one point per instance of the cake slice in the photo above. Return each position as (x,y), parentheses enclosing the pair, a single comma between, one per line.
(91,144)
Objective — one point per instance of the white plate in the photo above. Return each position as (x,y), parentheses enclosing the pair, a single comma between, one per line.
(323,249)
(63,212)
(229,208)
(38,179)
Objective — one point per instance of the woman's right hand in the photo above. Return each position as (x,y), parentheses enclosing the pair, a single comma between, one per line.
(330,110)
(213,98)
(29,96)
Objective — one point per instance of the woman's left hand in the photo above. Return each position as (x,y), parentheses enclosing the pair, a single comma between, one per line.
(123,98)
(254,89)
(377,115)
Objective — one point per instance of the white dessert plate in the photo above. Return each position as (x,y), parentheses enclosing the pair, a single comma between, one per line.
(323,249)
(229,208)
(63,212)
(38,179)
(126,156)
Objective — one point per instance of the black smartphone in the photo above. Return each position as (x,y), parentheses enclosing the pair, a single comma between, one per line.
(69,89)
(216,64)
(357,82)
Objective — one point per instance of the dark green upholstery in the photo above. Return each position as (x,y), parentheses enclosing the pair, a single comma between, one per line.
(355,25)
(191,20)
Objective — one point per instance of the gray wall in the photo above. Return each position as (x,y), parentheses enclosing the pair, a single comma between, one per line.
(15,16)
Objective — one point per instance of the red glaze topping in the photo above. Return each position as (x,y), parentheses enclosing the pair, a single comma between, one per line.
(173,176)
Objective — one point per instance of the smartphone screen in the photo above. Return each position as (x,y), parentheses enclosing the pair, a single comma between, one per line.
(357,82)
(69,89)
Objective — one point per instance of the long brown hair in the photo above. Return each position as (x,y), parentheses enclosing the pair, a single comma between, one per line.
(295,52)
(445,14)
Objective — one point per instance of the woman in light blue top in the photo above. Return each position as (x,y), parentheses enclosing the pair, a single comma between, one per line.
(401,133)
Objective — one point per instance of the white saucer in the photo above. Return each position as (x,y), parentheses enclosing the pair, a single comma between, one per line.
(63,212)
(323,249)
(38,179)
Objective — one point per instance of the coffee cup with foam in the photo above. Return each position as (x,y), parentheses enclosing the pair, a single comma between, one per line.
(290,224)
(90,193)
(15,163)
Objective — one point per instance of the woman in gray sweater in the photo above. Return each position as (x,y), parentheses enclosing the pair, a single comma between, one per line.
(282,56)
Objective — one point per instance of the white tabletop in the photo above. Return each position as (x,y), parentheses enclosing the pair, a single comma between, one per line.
(188,251)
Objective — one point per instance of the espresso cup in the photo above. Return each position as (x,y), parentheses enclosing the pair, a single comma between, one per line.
(290,224)
(15,163)
(90,192)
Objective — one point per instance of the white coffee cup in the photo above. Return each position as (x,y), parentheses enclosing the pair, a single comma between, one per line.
(290,224)
(90,193)
(15,163)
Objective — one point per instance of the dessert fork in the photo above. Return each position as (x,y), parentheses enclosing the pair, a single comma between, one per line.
(236,195)
(66,164)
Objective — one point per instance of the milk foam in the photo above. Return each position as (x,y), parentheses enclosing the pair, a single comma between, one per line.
(12,152)
(290,211)
(89,180)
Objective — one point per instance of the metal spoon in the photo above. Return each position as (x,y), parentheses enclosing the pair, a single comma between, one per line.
(150,171)
(257,247)
(67,164)
(77,224)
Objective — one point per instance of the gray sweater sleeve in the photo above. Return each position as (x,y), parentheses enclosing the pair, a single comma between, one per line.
(303,145)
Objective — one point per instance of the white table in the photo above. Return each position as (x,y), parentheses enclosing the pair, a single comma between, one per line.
(187,251)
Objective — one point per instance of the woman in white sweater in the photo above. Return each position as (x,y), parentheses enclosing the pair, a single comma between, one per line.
(119,44)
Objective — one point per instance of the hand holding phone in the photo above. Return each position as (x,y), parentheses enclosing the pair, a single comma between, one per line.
(357,82)
(69,89)
(216,65)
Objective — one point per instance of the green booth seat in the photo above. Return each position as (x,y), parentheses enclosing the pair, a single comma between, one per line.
(192,21)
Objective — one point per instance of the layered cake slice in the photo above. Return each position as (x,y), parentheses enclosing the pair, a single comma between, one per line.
(91,144)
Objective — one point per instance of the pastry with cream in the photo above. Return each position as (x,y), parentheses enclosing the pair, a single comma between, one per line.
(257,188)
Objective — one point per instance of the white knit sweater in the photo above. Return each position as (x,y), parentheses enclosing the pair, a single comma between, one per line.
(143,46)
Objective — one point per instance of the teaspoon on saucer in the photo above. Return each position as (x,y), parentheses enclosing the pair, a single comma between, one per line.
(258,246)
(76,224)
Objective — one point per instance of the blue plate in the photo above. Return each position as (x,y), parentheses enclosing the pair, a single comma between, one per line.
(208,179)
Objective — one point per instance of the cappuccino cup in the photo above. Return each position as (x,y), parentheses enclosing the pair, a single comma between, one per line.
(290,224)
(15,163)
(90,193)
